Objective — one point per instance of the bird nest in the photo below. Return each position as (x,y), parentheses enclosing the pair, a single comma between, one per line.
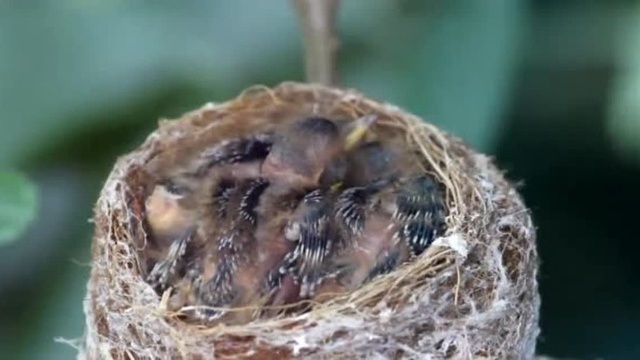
(472,294)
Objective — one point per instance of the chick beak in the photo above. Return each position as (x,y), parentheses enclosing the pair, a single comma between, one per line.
(357,130)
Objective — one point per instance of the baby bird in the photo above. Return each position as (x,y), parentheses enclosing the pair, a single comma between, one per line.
(169,211)
(306,161)
(390,217)
(228,224)
(310,227)
(172,218)
(199,215)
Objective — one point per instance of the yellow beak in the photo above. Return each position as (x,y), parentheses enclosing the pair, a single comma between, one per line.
(358,130)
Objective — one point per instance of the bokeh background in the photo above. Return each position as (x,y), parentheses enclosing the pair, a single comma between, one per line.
(551,89)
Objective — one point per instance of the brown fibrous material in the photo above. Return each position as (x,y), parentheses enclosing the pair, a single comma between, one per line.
(472,294)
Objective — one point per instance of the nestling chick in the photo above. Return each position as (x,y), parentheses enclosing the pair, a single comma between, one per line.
(228,224)
(172,218)
(310,154)
(174,208)
(311,228)
(393,216)
(169,212)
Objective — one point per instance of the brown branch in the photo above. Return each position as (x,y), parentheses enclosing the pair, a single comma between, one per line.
(318,21)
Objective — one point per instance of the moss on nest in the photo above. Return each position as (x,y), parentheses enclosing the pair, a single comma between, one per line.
(473,293)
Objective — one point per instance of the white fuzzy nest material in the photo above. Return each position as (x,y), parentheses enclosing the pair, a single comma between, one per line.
(473,294)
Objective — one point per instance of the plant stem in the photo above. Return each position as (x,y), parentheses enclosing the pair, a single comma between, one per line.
(318,21)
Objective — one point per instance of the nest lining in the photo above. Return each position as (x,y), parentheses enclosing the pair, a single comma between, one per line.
(473,293)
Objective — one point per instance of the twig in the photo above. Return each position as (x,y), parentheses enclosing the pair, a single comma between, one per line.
(318,21)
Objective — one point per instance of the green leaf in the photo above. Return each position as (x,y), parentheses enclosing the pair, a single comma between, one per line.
(18,205)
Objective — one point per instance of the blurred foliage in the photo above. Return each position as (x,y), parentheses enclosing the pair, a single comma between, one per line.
(434,75)
(548,87)
(624,109)
(17,205)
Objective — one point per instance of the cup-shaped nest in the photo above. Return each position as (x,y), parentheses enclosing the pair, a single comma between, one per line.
(468,290)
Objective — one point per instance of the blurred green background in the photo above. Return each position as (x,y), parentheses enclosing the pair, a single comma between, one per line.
(550,88)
